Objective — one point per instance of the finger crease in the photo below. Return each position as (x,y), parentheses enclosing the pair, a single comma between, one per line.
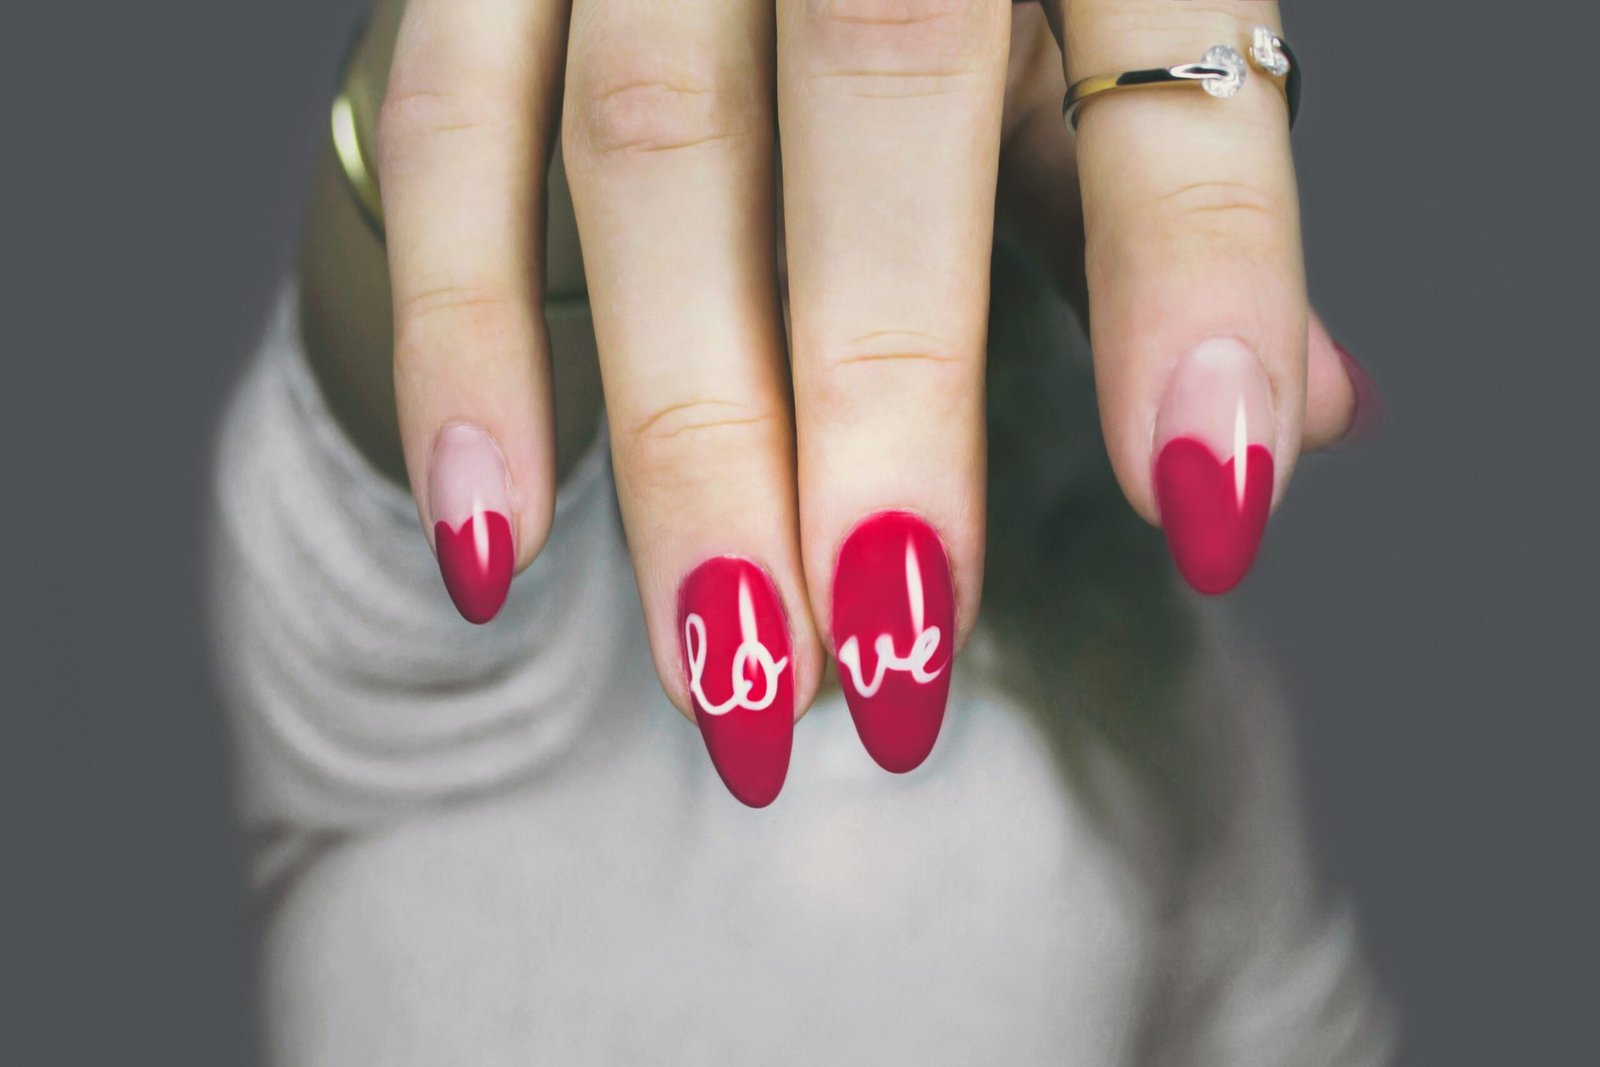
(645,426)
(453,297)
(709,424)
(884,357)
(647,148)
(895,74)
(655,87)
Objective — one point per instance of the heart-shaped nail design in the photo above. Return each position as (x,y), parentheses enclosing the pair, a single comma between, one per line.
(476,560)
(1213,511)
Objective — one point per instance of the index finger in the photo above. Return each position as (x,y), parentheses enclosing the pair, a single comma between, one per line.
(464,136)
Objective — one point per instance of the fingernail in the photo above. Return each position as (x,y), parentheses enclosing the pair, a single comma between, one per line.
(1371,411)
(894,613)
(1214,468)
(736,655)
(471,508)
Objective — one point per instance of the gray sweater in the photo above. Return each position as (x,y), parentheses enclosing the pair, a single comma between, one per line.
(501,845)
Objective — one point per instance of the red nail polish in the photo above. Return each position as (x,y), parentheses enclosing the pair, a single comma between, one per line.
(1213,511)
(1371,411)
(469,501)
(476,560)
(1213,470)
(736,656)
(894,612)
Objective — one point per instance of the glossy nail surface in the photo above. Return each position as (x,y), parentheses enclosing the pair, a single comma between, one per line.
(736,657)
(470,505)
(1214,467)
(894,610)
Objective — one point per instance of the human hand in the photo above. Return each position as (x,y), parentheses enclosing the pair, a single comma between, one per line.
(777,484)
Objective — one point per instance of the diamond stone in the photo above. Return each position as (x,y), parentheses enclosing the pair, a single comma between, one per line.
(1224,58)
(1267,51)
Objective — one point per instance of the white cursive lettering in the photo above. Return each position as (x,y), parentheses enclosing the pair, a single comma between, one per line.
(750,650)
(923,645)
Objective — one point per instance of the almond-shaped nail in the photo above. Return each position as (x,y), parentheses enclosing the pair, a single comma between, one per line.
(738,662)
(1214,466)
(894,613)
(470,505)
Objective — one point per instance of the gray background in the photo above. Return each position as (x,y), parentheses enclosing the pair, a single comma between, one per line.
(1427,596)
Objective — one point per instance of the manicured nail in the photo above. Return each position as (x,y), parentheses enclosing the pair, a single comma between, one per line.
(1371,411)
(469,499)
(894,615)
(1213,468)
(736,655)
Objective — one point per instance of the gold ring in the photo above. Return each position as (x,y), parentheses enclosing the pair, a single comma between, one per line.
(1221,72)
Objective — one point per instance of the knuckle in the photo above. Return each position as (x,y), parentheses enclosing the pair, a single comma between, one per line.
(1234,211)
(411,118)
(908,21)
(1160,21)
(906,47)
(914,367)
(668,442)
(474,317)
(628,107)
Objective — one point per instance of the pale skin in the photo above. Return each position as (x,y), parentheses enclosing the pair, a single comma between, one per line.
(760,415)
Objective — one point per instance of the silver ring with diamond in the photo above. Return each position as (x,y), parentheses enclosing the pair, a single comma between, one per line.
(1221,72)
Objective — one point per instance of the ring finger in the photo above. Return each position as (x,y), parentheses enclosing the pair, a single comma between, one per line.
(891,114)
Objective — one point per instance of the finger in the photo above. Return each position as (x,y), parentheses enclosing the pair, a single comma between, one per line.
(668,139)
(1343,405)
(464,137)
(1043,221)
(890,117)
(1040,214)
(1196,284)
